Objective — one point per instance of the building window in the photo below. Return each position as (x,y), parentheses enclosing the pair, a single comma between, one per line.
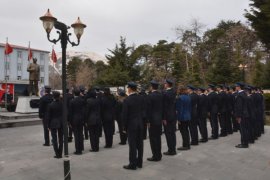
(42,68)
(41,79)
(19,54)
(7,65)
(7,78)
(19,66)
(42,57)
(19,78)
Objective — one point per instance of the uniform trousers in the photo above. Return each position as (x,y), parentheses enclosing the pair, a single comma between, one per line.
(222,122)
(244,131)
(193,129)
(183,127)
(108,132)
(46,132)
(57,140)
(169,130)
(78,136)
(203,127)
(135,142)
(94,136)
(155,132)
(214,125)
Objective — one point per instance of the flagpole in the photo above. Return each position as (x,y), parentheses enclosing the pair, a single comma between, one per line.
(6,77)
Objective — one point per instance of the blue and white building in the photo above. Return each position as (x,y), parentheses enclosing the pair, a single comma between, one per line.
(15,69)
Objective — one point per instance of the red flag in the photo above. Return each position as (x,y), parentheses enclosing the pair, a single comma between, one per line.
(54,57)
(30,54)
(8,49)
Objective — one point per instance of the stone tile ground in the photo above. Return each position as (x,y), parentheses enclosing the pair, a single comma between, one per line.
(22,157)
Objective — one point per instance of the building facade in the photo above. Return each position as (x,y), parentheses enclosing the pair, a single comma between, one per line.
(14,69)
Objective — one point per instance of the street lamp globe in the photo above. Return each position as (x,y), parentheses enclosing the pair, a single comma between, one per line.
(48,21)
(78,27)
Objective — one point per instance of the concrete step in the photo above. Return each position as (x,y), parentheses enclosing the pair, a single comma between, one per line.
(15,116)
(19,122)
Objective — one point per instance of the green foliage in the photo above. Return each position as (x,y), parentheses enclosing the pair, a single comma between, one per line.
(259,16)
(266,75)
(72,69)
(267,101)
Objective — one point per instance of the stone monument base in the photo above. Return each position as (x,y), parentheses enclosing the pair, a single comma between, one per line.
(23,105)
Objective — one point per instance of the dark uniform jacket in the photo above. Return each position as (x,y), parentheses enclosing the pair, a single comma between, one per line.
(55,115)
(77,111)
(222,102)
(194,105)
(202,106)
(133,112)
(108,104)
(251,107)
(93,111)
(169,106)
(212,103)
(240,107)
(155,108)
(43,105)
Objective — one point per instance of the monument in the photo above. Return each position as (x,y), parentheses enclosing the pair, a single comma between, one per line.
(30,104)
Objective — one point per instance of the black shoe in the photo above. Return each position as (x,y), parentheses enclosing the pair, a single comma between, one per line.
(194,143)
(139,166)
(46,144)
(58,157)
(213,138)
(129,167)
(168,153)
(91,150)
(222,135)
(122,143)
(251,142)
(241,146)
(183,148)
(230,132)
(77,153)
(107,146)
(203,140)
(153,159)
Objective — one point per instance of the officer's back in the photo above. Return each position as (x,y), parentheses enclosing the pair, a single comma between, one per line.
(77,109)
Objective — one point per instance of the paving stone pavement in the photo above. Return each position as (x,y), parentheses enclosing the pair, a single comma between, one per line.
(22,157)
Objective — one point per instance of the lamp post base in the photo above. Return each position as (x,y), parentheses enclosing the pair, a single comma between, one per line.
(67,175)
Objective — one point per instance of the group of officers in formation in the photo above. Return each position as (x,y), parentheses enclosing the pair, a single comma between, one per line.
(229,109)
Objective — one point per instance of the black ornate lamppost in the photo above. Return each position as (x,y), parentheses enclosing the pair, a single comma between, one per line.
(48,23)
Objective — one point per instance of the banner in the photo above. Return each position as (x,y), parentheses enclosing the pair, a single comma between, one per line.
(10,93)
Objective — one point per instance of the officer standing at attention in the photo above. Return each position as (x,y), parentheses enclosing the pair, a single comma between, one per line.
(154,116)
(169,117)
(108,104)
(144,95)
(213,110)
(193,125)
(222,110)
(77,118)
(241,114)
(55,124)
(133,112)
(202,114)
(43,105)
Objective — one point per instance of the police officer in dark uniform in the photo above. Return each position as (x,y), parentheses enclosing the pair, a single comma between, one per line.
(222,110)
(69,98)
(241,114)
(108,104)
(93,119)
(193,125)
(251,119)
(169,117)
(77,116)
(202,114)
(213,110)
(133,113)
(229,122)
(55,124)
(234,122)
(99,97)
(119,116)
(43,105)
(154,116)
(144,95)
(84,97)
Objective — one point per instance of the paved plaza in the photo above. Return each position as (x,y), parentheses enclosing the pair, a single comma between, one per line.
(22,157)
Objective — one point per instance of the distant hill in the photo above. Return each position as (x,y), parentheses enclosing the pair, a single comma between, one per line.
(81,55)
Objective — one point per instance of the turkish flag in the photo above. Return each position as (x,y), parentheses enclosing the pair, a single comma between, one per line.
(8,49)
(30,54)
(54,57)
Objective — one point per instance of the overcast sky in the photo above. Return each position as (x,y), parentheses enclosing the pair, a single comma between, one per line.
(140,21)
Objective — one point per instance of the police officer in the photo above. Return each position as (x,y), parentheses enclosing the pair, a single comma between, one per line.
(84,97)
(154,116)
(133,113)
(55,124)
(77,115)
(43,105)
(108,104)
(93,119)
(251,119)
(241,114)
(222,110)
(169,117)
(193,125)
(213,110)
(232,102)
(202,114)
(119,116)
(229,102)
(144,95)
